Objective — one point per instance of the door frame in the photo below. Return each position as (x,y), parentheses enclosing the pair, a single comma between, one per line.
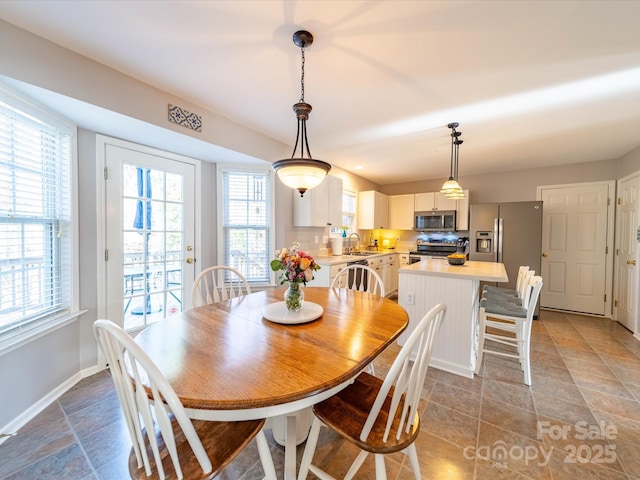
(611,195)
(101,235)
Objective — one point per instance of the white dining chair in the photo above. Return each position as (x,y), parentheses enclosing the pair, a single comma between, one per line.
(509,325)
(518,297)
(166,442)
(379,416)
(218,283)
(363,278)
(359,277)
(522,270)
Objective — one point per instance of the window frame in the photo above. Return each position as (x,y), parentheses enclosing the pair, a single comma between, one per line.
(41,325)
(249,168)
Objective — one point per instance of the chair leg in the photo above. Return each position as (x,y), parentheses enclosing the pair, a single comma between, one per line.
(309,449)
(265,456)
(413,459)
(355,466)
(481,332)
(526,344)
(381,471)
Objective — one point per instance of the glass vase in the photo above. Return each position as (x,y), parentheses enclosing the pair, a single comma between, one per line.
(294,296)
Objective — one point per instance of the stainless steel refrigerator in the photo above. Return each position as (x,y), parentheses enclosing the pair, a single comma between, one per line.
(509,233)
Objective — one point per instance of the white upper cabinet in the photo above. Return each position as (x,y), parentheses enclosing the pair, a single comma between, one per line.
(320,206)
(462,212)
(426,202)
(373,210)
(401,212)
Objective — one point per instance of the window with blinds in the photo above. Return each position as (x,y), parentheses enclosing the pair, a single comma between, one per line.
(246,207)
(35,219)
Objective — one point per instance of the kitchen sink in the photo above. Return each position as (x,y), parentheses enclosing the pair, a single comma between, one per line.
(365,253)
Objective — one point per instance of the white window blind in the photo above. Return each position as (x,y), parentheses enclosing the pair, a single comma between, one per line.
(35,220)
(246,199)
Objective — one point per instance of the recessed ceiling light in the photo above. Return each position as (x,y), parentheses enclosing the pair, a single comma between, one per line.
(358,167)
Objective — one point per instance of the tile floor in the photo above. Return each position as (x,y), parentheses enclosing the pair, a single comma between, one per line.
(580,419)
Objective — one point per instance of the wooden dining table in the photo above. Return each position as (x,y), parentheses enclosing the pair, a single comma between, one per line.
(227,362)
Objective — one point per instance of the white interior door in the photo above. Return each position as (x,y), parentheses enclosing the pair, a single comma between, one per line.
(574,248)
(150,234)
(627,284)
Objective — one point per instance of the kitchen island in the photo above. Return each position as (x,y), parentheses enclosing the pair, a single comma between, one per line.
(429,282)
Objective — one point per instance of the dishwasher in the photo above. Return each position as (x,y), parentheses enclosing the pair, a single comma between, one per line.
(358,279)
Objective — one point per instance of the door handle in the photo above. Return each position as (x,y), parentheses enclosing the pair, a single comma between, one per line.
(545,254)
(631,262)
(190,260)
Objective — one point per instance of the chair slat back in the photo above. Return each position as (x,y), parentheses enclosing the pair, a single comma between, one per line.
(132,369)
(406,376)
(359,277)
(535,286)
(521,276)
(524,292)
(219,283)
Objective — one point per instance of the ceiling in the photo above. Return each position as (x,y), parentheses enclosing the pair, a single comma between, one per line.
(532,83)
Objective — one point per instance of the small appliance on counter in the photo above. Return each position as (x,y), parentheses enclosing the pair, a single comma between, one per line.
(461,245)
(336,245)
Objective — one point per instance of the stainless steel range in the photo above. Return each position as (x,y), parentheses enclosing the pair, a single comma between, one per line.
(431,249)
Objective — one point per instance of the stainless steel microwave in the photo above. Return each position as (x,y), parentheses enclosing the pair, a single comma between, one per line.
(435,221)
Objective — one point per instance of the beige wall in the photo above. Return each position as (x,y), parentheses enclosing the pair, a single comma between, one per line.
(521,185)
(629,163)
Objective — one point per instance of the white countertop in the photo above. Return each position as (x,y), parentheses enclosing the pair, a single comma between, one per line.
(485,271)
(336,259)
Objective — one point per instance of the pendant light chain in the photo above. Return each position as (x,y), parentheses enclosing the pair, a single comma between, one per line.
(302,77)
(452,154)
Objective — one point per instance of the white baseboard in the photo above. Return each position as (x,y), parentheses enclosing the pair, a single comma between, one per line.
(451,367)
(31,412)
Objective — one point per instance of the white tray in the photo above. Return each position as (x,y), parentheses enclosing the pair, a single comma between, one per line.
(278,313)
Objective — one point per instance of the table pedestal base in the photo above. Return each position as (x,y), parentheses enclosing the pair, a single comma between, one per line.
(303,420)
(289,431)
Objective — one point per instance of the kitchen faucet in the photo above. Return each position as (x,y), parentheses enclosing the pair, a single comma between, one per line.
(349,241)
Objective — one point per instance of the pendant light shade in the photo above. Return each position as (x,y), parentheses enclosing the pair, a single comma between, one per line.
(302,172)
(451,188)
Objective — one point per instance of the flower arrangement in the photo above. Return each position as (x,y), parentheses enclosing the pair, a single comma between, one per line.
(297,266)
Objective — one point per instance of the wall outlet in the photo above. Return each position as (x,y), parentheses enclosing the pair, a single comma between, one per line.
(410,298)
(317,239)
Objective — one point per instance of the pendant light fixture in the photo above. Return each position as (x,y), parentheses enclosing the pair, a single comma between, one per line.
(302,172)
(451,187)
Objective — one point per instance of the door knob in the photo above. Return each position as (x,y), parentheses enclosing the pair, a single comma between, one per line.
(631,262)
(189,248)
(191,260)
(545,254)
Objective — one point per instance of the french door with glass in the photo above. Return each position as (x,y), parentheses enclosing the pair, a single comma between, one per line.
(149,200)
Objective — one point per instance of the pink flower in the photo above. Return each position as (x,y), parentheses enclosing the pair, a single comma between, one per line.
(296,265)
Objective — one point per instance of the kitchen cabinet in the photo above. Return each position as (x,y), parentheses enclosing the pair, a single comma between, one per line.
(429,201)
(320,206)
(385,267)
(390,273)
(401,210)
(326,274)
(373,210)
(462,212)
